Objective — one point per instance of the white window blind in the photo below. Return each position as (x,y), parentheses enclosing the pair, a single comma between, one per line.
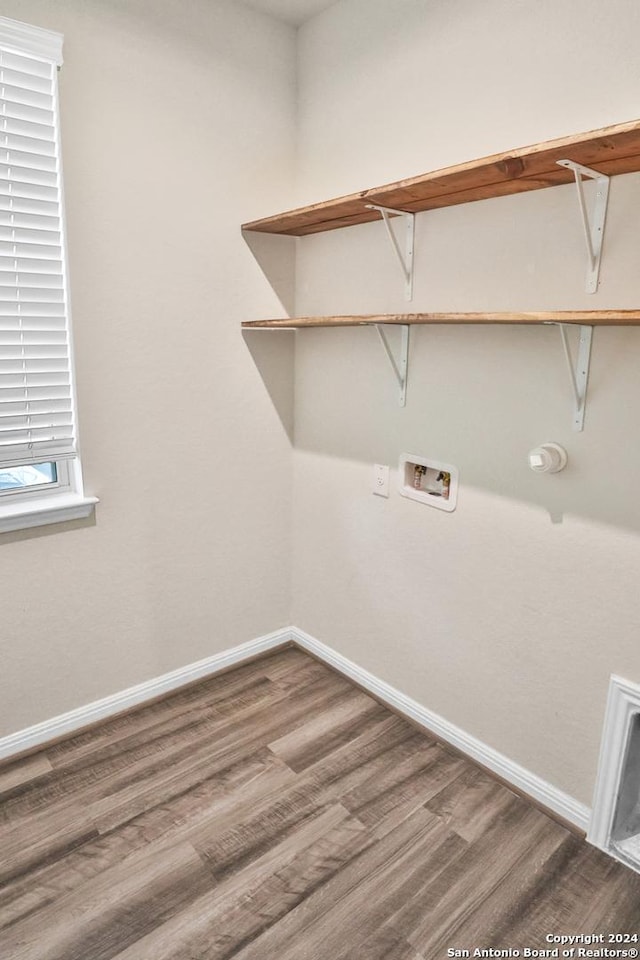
(36,389)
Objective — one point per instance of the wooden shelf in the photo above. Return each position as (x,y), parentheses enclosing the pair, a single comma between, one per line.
(611,150)
(610,318)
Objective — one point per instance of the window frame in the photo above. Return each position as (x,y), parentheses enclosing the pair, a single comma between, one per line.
(62,482)
(63,499)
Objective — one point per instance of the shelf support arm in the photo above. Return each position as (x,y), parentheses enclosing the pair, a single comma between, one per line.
(405,260)
(578,373)
(594,230)
(400,366)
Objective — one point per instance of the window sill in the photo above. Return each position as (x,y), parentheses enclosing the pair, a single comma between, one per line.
(52,509)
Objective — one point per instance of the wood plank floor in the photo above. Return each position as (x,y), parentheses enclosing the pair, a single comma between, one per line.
(276,812)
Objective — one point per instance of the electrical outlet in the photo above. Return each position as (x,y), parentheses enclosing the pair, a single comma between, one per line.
(380,480)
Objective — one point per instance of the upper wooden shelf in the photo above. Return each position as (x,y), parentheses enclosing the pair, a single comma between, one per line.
(611,150)
(611,318)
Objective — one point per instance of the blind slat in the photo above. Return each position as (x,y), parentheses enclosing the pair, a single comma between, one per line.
(53,423)
(27,128)
(28,65)
(16,315)
(26,158)
(52,267)
(39,325)
(32,145)
(44,392)
(30,250)
(16,93)
(25,111)
(30,191)
(17,235)
(12,409)
(32,345)
(12,222)
(24,80)
(21,278)
(28,174)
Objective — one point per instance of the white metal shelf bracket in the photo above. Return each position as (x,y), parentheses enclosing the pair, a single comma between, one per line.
(578,373)
(594,230)
(405,260)
(400,366)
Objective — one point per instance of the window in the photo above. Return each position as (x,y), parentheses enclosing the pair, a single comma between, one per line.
(40,474)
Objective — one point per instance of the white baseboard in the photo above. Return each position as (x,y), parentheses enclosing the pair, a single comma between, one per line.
(539,790)
(66,723)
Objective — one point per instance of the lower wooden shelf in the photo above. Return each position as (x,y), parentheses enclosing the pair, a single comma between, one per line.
(610,318)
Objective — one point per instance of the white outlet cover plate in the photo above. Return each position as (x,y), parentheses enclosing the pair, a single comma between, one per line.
(408,461)
(380,480)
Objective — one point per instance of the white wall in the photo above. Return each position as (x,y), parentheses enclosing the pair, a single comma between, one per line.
(178,123)
(507,616)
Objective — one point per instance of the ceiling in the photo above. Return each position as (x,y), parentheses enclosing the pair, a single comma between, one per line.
(294,12)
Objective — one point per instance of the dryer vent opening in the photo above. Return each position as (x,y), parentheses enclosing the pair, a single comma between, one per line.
(615,819)
(625,835)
